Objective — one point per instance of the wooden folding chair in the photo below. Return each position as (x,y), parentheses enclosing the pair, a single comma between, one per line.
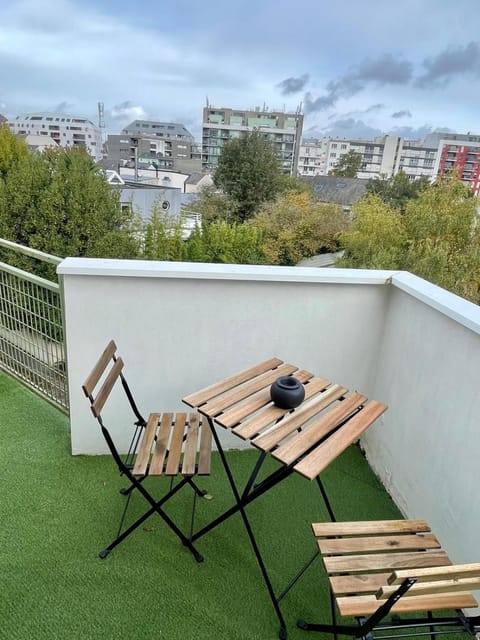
(165,444)
(393,567)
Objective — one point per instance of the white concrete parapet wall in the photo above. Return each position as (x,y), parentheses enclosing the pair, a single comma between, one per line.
(181,326)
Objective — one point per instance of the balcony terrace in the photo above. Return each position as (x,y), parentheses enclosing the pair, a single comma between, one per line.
(180,327)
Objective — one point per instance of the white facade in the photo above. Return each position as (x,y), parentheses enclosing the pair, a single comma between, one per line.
(66,130)
(381,157)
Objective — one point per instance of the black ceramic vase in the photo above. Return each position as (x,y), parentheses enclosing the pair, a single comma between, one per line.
(287,392)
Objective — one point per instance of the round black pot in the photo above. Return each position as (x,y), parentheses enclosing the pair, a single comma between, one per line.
(287,392)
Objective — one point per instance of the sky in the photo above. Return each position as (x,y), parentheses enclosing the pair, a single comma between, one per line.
(355,69)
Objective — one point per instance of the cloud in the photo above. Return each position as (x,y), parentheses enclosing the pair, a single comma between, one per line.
(63,107)
(454,61)
(385,70)
(415,133)
(293,85)
(374,108)
(402,114)
(127,111)
(350,128)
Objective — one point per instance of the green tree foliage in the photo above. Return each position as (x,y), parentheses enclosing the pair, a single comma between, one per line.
(376,239)
(249,173)
(212,205)
(398,190)
(60,203)
(164,236)
(297,226)
(444,239)
(230,244)
(437,237)
(216,241)
(348,165)
(11,149)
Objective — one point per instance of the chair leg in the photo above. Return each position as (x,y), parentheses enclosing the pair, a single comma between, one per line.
(155,507)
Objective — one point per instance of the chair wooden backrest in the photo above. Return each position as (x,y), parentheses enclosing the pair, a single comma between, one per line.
(110,362)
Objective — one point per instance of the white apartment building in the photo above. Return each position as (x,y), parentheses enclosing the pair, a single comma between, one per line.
(65,130)
(381,157)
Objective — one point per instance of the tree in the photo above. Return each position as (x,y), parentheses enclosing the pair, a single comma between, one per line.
(163,236)
(227,243)
(398,190)
(11,149)
(249,173)
(376,238)
(348,165)
(297,226)
(437,237)
(444,239)
(59,202)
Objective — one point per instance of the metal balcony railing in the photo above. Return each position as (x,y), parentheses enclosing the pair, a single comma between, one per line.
(32,346)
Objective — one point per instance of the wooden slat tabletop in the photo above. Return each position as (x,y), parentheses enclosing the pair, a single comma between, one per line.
(307,438)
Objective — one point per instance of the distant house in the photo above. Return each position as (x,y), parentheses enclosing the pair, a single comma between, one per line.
(342,191)
(37,142)
(2,119)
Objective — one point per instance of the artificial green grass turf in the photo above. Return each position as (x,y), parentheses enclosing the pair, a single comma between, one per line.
(58,511)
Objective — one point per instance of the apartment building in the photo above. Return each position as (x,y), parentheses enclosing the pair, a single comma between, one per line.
(65,130)
(166,145)
(383,156)
(282,128)
(463,158)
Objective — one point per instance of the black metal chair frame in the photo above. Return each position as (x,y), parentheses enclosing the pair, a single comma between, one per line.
(125,464)
(367,628)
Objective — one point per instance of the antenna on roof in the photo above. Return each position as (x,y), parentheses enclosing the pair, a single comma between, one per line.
(208,104)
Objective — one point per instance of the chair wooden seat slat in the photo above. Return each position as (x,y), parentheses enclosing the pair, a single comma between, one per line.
(378,543)
(383,561)
(176,442)
(143,456)
(205,453)
(326,529)
(442,573)
(431,588)
(157,462)
(370,586)
(163,444)
(368,604)
(191,446)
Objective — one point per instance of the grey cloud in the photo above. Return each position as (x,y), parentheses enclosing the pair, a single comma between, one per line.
(411,133)
(454,61)
(351,128)
(375,107)
(63,107)
(382,71)
(293,85)
(127,111)
(405,113)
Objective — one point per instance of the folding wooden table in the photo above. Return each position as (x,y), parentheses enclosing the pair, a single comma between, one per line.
(304,440)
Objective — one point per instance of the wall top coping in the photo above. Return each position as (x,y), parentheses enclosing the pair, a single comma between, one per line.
(208,271)
(449,304)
